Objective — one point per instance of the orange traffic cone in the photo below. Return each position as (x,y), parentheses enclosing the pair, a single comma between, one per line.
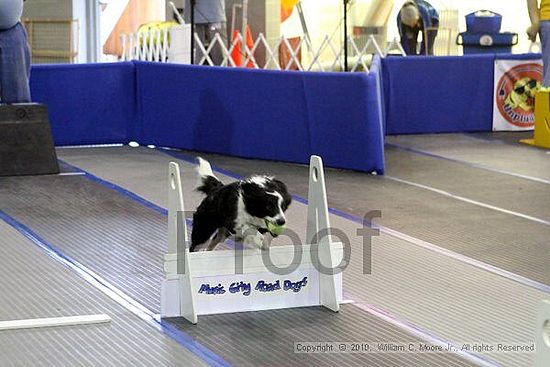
(238,54)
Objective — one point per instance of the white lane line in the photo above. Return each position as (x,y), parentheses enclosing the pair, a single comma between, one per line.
(470,201)
(53,322)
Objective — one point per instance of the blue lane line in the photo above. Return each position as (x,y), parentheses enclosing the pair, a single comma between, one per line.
(192,160)
(118,189)
(468,164)
(130,195)
(187,158)
(114,293)
(413,329)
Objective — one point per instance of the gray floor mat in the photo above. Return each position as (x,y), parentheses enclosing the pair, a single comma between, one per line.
(482,149)
(408,281)
(123,242)
(34,286)
(507,192)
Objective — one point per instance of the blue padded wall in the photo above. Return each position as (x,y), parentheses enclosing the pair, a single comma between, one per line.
(438,94)
(284,116)
(87,103)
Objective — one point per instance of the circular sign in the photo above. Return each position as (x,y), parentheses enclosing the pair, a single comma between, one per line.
(486,40)
(515,95)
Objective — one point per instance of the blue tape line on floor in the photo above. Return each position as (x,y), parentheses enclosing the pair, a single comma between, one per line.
(459,257)
(420,332)
(133,306)
(466,163)
(187,158)
(119,189)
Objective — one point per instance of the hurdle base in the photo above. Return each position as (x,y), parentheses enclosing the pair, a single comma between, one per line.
(216,282)
(174,302)
(183,294)
(170,305)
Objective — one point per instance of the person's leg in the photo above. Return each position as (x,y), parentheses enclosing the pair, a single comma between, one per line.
(428,40)
(432,34)
(412,39)
(544,31)
(14,66)
(200,31)
(217,52)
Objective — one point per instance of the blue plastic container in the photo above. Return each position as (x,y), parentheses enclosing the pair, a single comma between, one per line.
(475,43)
(478,23)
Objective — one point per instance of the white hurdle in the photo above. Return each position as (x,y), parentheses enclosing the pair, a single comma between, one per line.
(227,281)
(543,335)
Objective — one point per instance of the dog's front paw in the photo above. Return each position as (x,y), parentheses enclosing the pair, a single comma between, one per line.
(255,240)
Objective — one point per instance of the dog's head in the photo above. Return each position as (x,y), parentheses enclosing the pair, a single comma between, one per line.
(523,94)
(267,198)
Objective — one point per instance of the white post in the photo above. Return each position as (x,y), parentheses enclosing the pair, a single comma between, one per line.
(543,335)
(176,296)
(175,205)
(179,48)
(318,221)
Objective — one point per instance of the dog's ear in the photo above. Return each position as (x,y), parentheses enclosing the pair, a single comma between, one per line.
(281,188)
(252,191)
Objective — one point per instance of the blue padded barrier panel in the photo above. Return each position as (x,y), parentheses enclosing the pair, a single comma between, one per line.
(535,56)
(438,94)
(88,103)
(284,116)
(376,69)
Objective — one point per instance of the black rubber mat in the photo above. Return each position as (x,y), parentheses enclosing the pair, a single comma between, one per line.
(118,238)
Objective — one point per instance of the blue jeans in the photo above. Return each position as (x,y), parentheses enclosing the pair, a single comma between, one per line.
(15,65)
(544,31)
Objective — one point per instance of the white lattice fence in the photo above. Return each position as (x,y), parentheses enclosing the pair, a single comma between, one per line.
(328,56)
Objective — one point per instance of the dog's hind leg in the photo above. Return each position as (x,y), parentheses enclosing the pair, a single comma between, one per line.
(221,236)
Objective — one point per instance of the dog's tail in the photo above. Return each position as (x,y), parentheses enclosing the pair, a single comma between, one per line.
(208,183)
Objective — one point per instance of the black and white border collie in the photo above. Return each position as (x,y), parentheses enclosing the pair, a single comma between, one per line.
(239,210)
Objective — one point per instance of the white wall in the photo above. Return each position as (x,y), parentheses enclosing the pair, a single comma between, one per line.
(514,16)
(80,13)
(65,10)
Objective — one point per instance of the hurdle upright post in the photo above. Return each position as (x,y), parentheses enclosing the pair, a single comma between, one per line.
(177,298)
(175,205)
(318,222)
(543,335)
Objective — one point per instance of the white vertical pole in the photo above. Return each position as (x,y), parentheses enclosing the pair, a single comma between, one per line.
(177,295)
(244,48)
(171,303)
(543,336)
(175,205)
(318,220)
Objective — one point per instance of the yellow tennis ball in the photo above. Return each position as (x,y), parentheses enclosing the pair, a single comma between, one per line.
(275,229)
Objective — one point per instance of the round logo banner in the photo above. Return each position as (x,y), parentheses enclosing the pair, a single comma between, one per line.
(517,82)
